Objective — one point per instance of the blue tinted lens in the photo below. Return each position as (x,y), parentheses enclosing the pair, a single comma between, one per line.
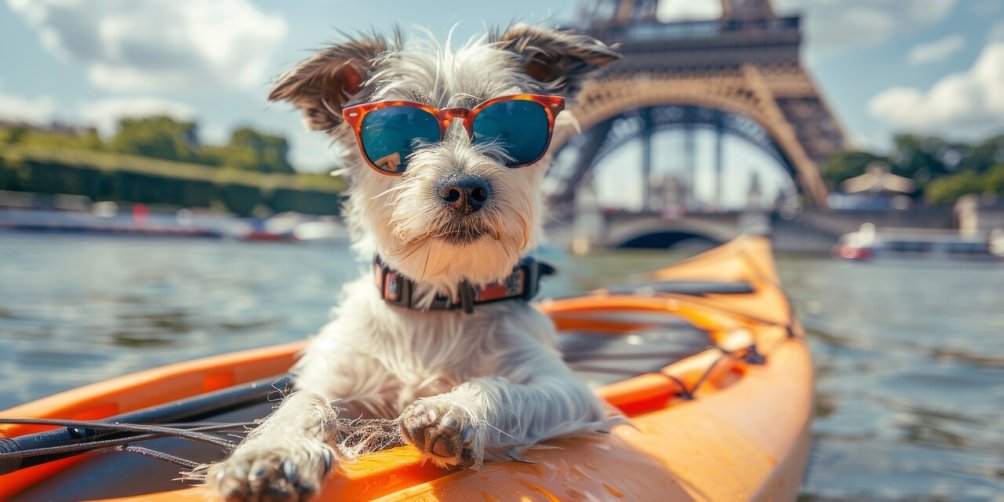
(390,135)
(519,127)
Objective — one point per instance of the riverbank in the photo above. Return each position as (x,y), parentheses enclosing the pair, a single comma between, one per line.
(128,178)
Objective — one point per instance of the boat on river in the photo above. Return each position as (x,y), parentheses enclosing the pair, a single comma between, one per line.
(869,243)
(704,358)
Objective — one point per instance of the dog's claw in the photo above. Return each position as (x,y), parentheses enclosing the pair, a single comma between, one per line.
(289,470)
(329,459)
(266,472)
(258,471)
(440,430)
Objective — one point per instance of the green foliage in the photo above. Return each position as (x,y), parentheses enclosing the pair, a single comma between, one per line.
(13,135)
(947,189)
(922,158)
(942,170)
(157,137)
(260,152)
(69,139)
(250,150)
(984,155)
(163,138)
(994,179)
(104,176)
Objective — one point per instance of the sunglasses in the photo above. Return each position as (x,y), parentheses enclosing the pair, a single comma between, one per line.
(388,132)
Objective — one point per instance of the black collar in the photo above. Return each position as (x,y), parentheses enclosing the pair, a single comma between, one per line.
(522,284)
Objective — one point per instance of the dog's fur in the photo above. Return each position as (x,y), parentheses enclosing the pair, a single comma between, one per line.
(462,387)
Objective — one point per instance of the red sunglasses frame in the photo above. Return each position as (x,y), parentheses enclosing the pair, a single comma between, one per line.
(354,116)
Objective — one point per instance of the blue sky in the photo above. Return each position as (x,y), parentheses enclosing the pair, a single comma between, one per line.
(884,65)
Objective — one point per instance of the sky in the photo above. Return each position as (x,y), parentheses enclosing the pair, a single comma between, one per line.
(931,66)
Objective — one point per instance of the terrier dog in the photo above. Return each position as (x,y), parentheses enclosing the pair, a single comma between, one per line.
(444,153)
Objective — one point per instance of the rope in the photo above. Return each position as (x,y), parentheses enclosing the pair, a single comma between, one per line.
(159,455)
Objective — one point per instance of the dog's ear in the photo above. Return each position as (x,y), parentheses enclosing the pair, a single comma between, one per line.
(320,85)
(558,59)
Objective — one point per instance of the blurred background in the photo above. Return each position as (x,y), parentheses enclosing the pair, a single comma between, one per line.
(154,207)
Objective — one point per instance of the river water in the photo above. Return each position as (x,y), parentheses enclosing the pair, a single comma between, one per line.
(909,354)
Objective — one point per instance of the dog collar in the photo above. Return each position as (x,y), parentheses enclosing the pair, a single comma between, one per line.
(522,284)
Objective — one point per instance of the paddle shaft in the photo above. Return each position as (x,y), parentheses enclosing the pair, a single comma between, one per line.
(184,410)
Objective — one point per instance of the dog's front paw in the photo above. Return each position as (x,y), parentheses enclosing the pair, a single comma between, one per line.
(441,430)
(263,471)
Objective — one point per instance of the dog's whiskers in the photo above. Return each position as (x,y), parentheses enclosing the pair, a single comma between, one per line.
(389,191)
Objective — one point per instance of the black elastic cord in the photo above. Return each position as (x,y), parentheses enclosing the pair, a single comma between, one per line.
(14,455)
(192,434)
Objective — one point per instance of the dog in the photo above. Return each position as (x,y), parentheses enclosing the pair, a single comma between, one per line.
(445,150)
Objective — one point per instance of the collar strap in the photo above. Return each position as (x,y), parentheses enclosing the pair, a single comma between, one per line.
(522,284)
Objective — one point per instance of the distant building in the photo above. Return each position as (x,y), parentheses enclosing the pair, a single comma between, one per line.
(877,188)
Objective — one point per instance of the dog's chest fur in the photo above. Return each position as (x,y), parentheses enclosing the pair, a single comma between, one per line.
(394,356)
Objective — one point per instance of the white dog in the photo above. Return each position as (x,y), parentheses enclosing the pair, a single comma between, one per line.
(445,151)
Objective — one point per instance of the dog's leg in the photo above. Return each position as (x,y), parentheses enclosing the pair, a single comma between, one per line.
(497,417)
(289,454)
(285,458)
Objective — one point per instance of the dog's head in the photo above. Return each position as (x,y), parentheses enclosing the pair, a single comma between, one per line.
(456,211)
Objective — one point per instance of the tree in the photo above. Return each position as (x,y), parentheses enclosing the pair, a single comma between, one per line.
(995,179)
(947,189)
(260,151)
(159,137)
(983,156)
(13,135)
(924,158)
(251,150)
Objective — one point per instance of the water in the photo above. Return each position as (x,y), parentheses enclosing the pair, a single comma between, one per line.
(909,354)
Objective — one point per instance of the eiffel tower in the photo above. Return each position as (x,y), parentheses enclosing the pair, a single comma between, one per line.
(739,74)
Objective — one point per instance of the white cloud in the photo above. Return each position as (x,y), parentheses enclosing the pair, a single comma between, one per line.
(938,50)
(106,113)
(158,44)
(966,104)
(835,25)
(35,111)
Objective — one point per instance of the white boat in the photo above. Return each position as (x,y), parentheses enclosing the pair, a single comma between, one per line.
(869,242)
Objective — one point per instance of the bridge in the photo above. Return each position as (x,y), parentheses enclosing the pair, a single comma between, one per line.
(737,75)
(808,230)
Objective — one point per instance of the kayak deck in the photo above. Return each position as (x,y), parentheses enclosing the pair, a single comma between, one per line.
(597,358)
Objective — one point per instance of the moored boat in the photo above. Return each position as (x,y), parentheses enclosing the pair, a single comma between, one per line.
(868,243)
(704,358)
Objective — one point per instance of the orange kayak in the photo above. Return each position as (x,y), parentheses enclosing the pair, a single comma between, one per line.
(704,358)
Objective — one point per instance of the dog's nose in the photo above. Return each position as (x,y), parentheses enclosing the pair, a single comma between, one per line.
(464,193)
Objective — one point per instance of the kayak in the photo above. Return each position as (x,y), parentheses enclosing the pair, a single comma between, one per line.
(704,358)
